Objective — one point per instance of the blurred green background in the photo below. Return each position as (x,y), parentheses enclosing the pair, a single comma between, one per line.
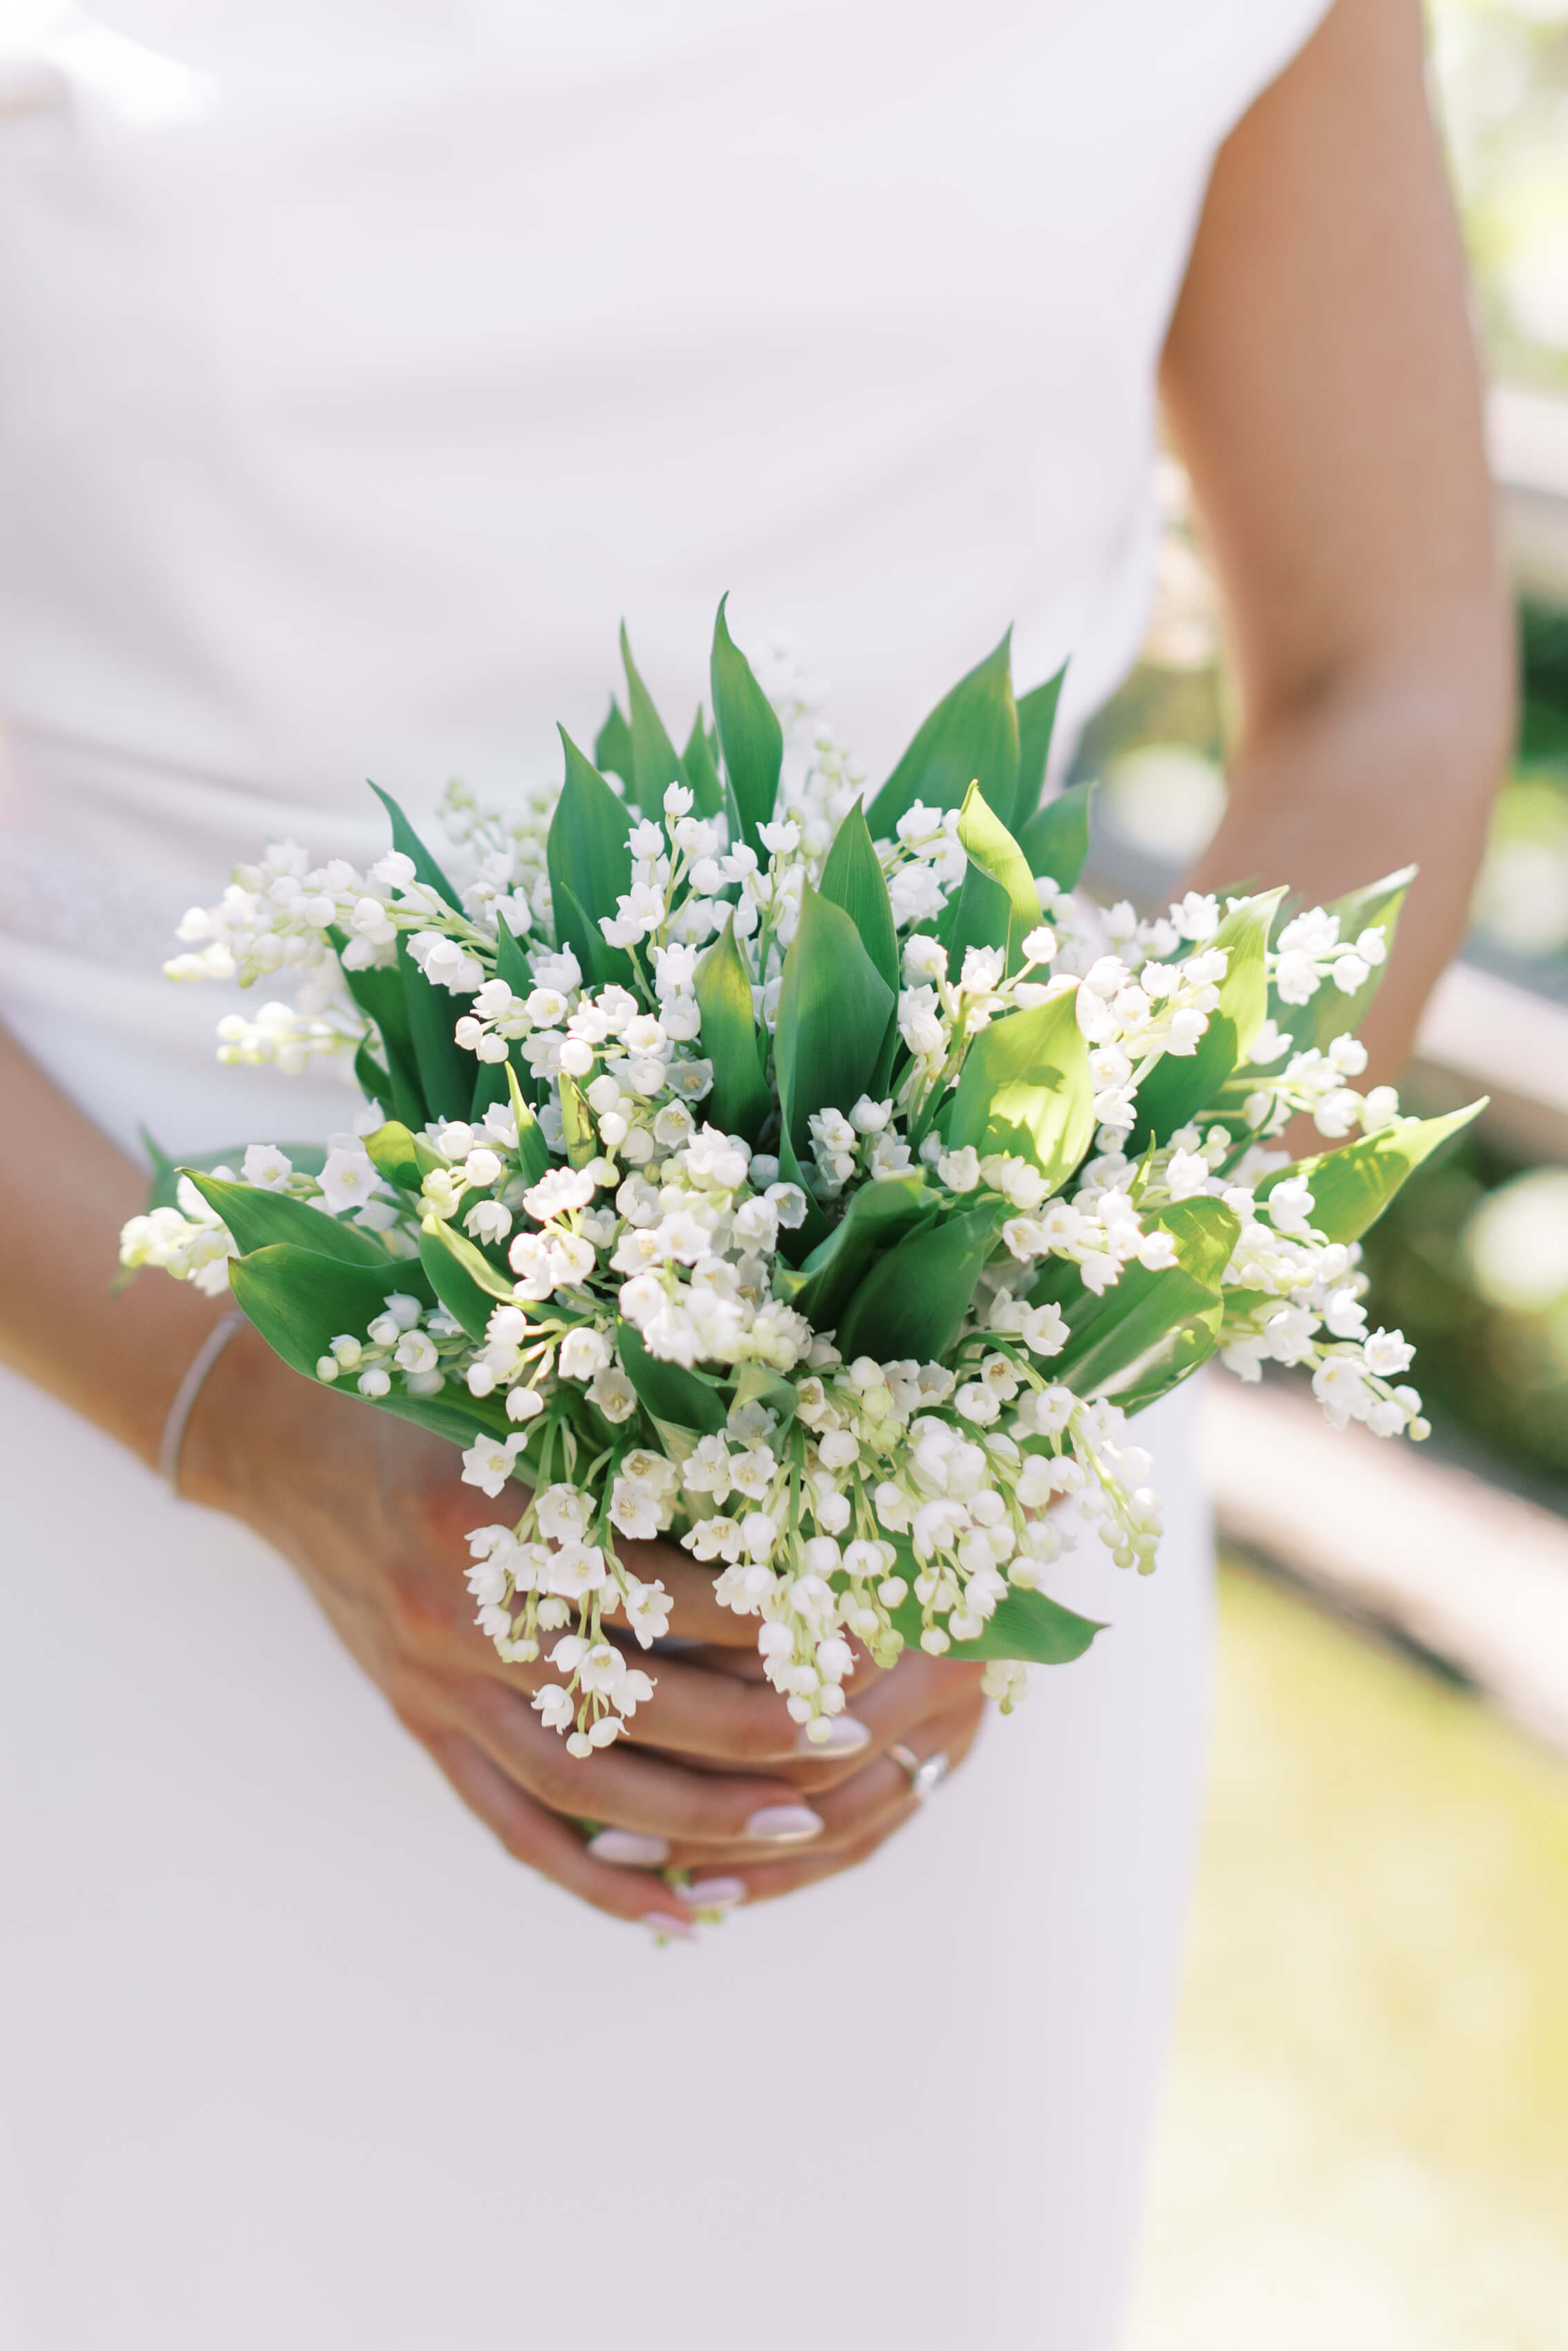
(1365,2135)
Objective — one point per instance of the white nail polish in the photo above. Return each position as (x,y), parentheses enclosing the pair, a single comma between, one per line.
(629,1847)
(784,1825)
(713,1893)
(666,1928)
(846,1736)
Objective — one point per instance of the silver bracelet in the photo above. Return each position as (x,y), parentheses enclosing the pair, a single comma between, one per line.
(185,1395)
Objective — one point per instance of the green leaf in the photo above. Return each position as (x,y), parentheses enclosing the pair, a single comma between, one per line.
(1148,1330)
(306,1158)
(740,1102)
(754,1383)
(405,837)
(589,853)
(799,1241)
(1037,723)
(1178,1086)
(749,734)
(257,1218)
(404,1159)
(698,762)
(578,1131)
(971,737)
(834,1008)
(379,993)
(300,1304)
(993,852)
(613,745)
(1352,1187)
(1055,841)
(1329,1014)
(1027,1626)
(655,765)
(669,1392)
(533,1150)
(1025,1088)
(914,1298)
(446,1070)
(980,916)
(466,1283)
(878,1213)
(852,878)
(373,1082)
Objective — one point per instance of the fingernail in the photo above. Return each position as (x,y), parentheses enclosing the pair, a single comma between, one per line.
(629,1847)
(666,1928)
(846,1736)
(784,1825)
(713,1893)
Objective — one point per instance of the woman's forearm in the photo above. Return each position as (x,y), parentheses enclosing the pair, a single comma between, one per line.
(116,1359)
(1395,764)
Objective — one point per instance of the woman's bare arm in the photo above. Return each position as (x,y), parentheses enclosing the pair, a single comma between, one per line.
(1322,385)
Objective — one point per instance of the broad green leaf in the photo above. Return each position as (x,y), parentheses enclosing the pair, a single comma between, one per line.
(1172,1359)
(740,1102)
(1027,1626)
(446,1070)
(1129,1343)
(1025,1088)
(300,1303)
(590,858)
(878,1213)
(1055,841)
(532,1149)
(834,1008)
(799,1241)
(971,737)
(980,916)
(852,878)
(373,1080)
(462,1276)
(379,993)
(405,837)
(1179,1085)
(703,775)
(1330,1014)
(669,1392)
(914,1298)
(489,1087)
(754,1383)
(512,960)
(257,1218)
(306,1158)
(655,765)
(749,734)
(1036,723)
(577,1130)
(613,745)
(404,1159)
(1352,1187)
(991,848)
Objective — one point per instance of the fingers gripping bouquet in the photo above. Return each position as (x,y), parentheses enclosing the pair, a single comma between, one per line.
(809,1177)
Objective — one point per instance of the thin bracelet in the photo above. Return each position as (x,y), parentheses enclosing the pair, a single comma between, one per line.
(185,1395)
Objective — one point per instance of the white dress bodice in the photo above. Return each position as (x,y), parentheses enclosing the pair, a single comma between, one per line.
(368,361)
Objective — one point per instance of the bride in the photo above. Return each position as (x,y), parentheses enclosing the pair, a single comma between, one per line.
(365,360)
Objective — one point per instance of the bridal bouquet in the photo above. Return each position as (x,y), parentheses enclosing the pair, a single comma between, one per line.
(803,1175)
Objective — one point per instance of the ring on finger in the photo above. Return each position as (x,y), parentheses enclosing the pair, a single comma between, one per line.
(924,1778)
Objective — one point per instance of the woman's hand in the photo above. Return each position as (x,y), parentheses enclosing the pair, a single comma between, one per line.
(715,1777)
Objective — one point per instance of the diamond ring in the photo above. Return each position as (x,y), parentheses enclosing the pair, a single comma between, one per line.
(922,1777)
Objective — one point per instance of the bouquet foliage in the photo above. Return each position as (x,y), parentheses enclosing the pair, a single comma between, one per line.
(803,1173)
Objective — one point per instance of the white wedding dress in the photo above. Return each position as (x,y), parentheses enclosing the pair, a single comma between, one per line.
(365,360)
